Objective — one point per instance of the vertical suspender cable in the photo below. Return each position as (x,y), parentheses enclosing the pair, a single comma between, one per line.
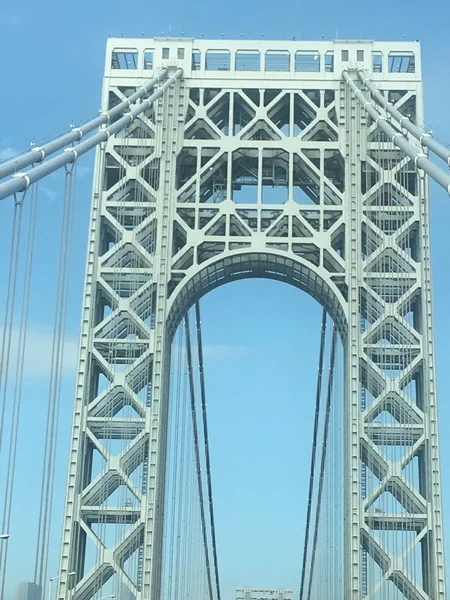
(323,457)
(9,310)
(197,452)
(207,455)
(54,388)
(175,425)
(181,466)
(15,420)
(314,449)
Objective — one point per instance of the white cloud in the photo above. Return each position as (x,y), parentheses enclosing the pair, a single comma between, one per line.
(7,152)
(38,354)
(215,352)
(223,351)
(83,171)
(10,20)
(51,194)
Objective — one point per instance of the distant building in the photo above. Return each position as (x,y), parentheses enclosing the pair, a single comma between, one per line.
(264,594)
(28,591)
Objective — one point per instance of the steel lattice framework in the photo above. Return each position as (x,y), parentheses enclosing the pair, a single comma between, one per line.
(259,162)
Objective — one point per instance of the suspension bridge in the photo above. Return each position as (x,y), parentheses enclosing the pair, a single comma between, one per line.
(216,161)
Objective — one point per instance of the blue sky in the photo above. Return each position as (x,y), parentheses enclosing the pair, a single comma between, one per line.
(51,61)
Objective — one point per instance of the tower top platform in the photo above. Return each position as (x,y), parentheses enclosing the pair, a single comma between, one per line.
(263,59)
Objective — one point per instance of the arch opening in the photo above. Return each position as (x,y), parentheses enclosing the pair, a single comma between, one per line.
(260,410)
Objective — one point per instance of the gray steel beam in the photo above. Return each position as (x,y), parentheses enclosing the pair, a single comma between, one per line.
(39,153)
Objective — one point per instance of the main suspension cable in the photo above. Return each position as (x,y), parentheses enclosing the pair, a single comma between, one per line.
(39,153)
(398,139)
(21,181)
(206,439)
(424,137)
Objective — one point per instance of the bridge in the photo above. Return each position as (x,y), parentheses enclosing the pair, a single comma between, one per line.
(216,161)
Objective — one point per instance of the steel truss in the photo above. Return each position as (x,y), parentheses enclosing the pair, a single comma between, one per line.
(189,199)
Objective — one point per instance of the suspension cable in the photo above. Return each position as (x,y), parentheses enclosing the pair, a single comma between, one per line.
(39,153)
(323,457)
(21,181)
(206,439)
(314,448)
(398,139)
(424,137)
(197,452)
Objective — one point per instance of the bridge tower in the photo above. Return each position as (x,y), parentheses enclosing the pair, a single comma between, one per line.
(258,162)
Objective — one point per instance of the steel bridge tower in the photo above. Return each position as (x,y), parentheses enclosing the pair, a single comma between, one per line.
(258,162)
